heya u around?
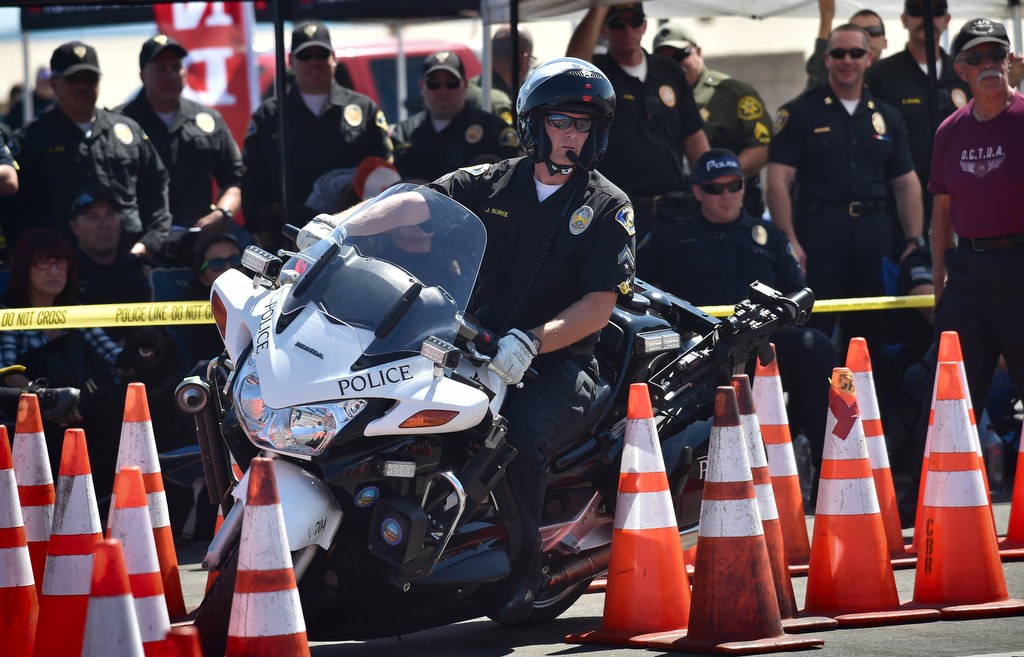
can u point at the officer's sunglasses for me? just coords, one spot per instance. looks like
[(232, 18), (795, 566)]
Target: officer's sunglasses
[(917, 11), (717, 188), (997, 54), (220, 264), (563, 122), (874, 31), (312, 53), (633, 21), (680, 54), (450, 83), (841, 53)]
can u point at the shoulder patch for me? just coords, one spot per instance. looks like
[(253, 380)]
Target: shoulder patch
[(251, 130), (381, 121), (780, 120), (509, 138), (749, 108), (506, 116), (475, 170), (625, 218)]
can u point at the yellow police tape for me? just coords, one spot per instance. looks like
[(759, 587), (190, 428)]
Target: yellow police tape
[(200, 312)]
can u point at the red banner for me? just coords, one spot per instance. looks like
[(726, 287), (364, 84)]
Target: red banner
[(221, 67)]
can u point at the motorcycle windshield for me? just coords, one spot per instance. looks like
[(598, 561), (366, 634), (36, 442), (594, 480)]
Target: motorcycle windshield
[(404, 268)]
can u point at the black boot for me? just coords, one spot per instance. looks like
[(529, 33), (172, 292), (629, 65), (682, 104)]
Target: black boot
[(511, 599)]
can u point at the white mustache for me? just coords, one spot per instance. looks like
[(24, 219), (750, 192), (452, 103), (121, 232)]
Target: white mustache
[(990, 73)]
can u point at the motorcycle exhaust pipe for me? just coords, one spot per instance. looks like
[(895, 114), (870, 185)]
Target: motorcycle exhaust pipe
[(582, 567)]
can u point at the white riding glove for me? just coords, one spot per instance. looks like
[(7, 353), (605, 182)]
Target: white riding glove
[(515, 353), (317, 229)]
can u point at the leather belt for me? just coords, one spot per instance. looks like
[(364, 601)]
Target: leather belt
[(853, 208), (989, 243)]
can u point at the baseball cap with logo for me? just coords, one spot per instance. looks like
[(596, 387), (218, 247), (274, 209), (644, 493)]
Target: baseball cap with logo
[(674, 35), (625, 9), (157, 45), (715, 163), (90, 194), (444, 60), (311, 34), (978, 31), (74, 56)]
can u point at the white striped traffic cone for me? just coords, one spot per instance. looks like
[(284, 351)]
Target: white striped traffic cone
[(132, 527), (35, 482), (19, 606), (266, 616), (111, 627)]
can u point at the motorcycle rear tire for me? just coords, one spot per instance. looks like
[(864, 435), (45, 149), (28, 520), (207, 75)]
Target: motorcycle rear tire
[(550, 604), (214, 614)]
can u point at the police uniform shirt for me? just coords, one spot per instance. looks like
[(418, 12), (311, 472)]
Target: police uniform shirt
[(652, 120), (6, 157), (899, 81), (425, 154), (502, 98), (588, 221), (57, 160), (349, 129), (840, 158), (197, 148), (733, 112), (710, 264)]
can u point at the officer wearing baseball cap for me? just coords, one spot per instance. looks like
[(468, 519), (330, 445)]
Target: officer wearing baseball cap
[(713, 258), (78, 143), (195, 145)]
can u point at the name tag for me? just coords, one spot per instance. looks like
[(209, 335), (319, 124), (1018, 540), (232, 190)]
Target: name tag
[(821, 130)]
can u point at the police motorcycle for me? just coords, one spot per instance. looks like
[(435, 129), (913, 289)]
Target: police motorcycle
[(355, 366)]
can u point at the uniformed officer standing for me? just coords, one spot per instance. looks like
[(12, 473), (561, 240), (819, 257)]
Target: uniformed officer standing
[(448, 134), (8, 167), (734, 115), (193, 141), (77, 143), (502, 91), (560, 250), (867, 19), (713, 258), (329, 127), (844, 148), (658, 121)]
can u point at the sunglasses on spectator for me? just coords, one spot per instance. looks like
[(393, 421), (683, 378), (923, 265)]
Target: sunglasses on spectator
[(220, 264), (83, 77), (875, 31), (717, 188), (45, 264), (841, 53), (633, 21), (680, 54), (450, 83), (975, 58), (917, 11), (312, 53), (563, 122)]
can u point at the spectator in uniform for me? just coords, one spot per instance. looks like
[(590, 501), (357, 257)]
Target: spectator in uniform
[(193, 141), (77, 144), (713, 258), (865, 18), (843, 147), (42, 100), (549, 304), (8, 167), (329, 127), (734, 115), (658, 121), (502, 88), (448, 134)]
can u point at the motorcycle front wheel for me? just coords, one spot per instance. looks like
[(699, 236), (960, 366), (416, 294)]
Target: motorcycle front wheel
[(214, 614)]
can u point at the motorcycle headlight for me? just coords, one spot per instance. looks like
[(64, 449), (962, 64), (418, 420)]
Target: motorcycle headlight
[(303, 431)]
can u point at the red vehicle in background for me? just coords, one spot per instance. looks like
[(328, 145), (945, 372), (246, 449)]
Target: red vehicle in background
[(371, 68)]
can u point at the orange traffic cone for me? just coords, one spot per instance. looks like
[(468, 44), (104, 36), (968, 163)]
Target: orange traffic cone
[(647, 589), (131, 526), (35, 482), (76, 530), (266, 617), (19, 606), (858, 360), (850, 577), (958, 567), (183, 641), (138, 447), (1012, 547), (774, 425), (111, 627), (734, 609)]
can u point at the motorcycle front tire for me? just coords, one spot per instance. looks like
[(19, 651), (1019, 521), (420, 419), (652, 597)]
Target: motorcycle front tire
[(214, 614)]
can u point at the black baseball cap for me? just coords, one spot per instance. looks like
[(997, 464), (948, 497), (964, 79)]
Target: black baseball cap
[(92, 193), (444, 60), (311, 34), (715, 163), (72, 57), (625, 9), (978, 31), (157, 45)]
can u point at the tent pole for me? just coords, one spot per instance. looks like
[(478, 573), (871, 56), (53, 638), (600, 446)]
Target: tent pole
[(1016, 16), (933, 74), (487, 55), (401, 74), (26, 95), (279, 90)]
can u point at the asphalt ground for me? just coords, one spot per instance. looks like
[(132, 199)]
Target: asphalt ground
[(485, 638)]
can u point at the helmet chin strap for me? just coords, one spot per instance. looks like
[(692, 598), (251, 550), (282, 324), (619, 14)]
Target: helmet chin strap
[(562, 169)]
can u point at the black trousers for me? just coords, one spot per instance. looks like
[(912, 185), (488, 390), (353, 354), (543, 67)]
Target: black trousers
[(806, 358), (537, 413)]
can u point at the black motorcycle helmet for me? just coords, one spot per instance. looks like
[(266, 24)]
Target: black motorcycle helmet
[(571, 85)]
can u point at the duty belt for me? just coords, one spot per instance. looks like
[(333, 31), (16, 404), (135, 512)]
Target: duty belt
[(668, 204), (989, 243), (853, 208)]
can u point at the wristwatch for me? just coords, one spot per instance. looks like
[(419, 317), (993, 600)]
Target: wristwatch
[(917, 241), (224, 211), (534, 339)]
